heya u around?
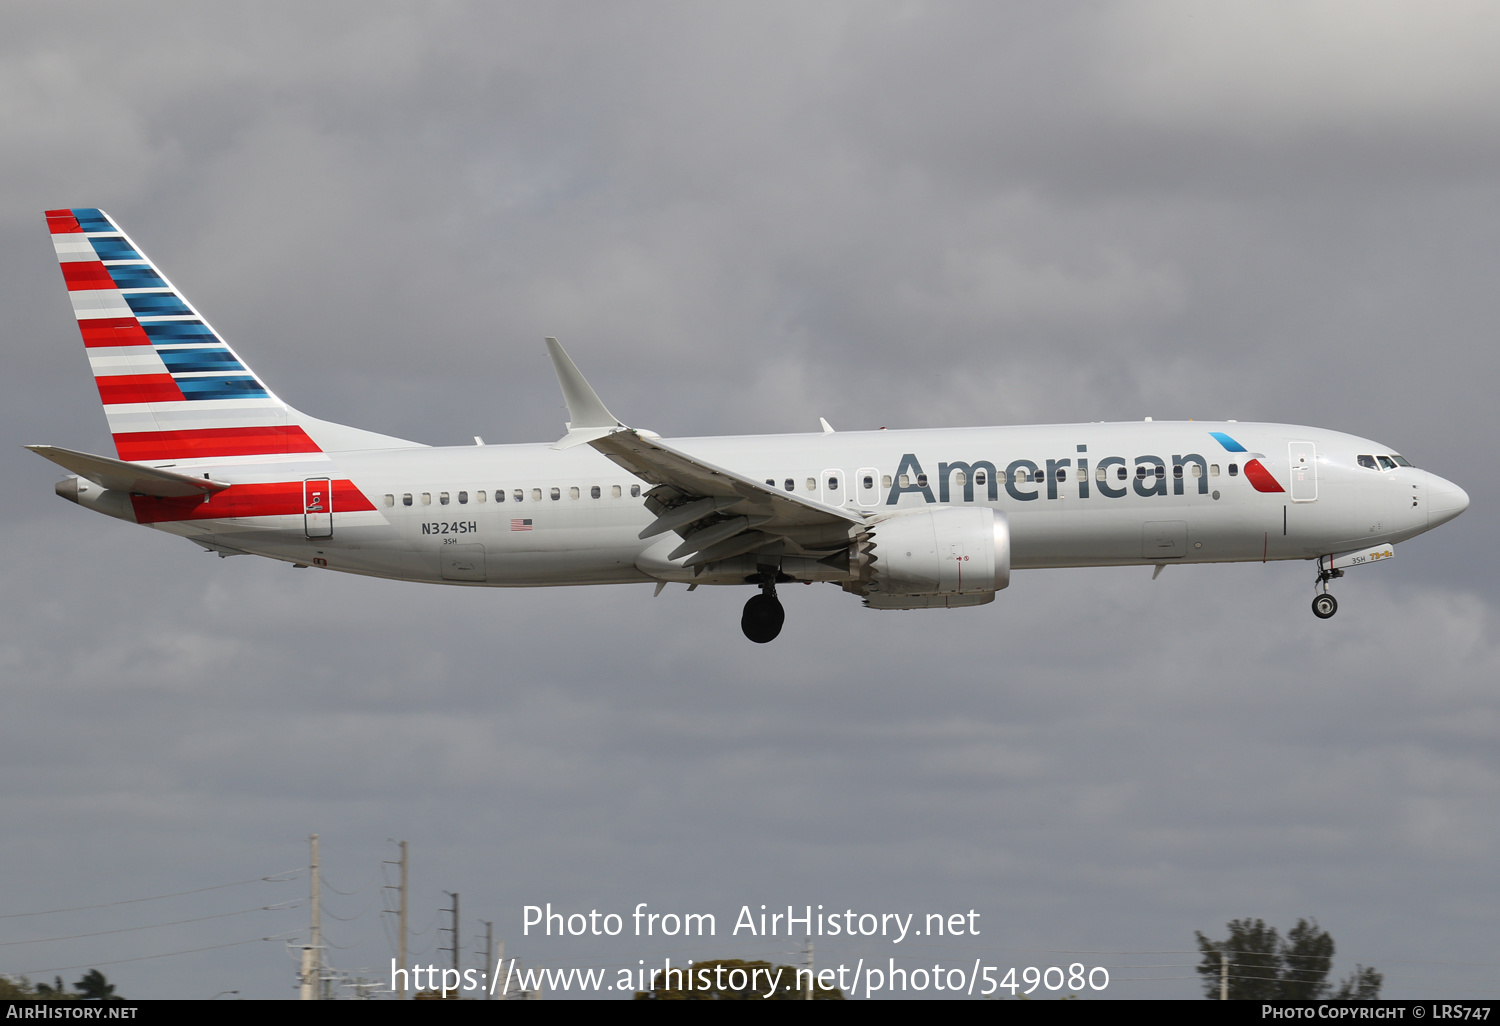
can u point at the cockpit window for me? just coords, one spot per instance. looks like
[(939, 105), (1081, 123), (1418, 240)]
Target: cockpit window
[(1386, 463), (1367, 461), (1400, 460)]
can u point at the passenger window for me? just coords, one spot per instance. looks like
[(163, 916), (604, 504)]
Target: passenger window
[(573, 493), (833, 484), (1122, 473), (1367, 461), (479, 496), (518, 495), (1099, 474), (390, 500), (1140, 472), (594, 492), (536, 495), (406, 499), (1197, 470), (614, 491), (427, 498), (1037, 477), (812, 484), (1062, 475), (869, 482), (979, 477), (463, 497), (960, 478), (921, 480), (905, 480), (1234, 470), (556, 494), (1177, 470), (770, 483), (442, 498), (1213, 470), (1022, 476), (635, 491), (499, 494), (1386, 463)]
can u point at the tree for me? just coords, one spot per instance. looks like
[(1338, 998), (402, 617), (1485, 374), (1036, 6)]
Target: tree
[(16, 989), (1361, 985), (1261, 965), (94, 987), (56, 990), (22, 989)]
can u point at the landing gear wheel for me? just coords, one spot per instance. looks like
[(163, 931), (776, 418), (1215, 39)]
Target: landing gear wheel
[(762, 618), (1325, 606)]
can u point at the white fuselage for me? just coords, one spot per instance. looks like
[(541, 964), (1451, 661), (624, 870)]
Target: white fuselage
[(535, 515)]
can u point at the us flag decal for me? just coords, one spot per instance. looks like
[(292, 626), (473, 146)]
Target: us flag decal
[(520, 525)]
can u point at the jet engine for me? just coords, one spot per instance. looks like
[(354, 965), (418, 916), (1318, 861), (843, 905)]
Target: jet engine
[(943, 557)]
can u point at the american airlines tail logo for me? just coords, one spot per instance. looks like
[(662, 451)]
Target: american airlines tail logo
[(1024, 479)]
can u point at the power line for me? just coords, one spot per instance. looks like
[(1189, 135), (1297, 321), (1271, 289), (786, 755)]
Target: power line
[(273, 878), (143, 958), (154, 926)]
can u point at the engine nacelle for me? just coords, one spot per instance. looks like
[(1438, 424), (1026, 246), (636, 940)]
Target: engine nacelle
[(943, 557)]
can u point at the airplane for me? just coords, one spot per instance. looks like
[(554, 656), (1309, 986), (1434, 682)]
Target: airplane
[(904, 519)]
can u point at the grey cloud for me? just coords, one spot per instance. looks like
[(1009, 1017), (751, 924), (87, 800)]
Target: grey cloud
[(739, 219)]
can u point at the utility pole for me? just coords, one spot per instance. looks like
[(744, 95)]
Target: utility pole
[(809, 969), (489, 952), (401, 919), (454, 929), (312, 960), (1223, 976)]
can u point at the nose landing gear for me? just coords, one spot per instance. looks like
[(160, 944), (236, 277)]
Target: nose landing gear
[(1325, 605), (763, 615)]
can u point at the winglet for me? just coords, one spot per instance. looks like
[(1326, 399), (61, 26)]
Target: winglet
[(587, 417)]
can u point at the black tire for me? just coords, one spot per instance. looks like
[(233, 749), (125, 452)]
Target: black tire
[(762, 618), (1325, 606)]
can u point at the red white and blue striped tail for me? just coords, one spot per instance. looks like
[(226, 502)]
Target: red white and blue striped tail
[(171, 386)]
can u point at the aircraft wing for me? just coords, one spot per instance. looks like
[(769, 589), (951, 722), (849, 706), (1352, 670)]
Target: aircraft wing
[(720, 513), (127, 477)]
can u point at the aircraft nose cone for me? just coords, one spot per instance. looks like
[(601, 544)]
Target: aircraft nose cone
[(1445, 500)]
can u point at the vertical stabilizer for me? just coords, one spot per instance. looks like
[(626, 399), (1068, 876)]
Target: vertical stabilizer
[(172, 388)]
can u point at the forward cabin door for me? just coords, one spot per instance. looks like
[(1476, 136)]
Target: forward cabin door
[(1304, 463), (317, 507)]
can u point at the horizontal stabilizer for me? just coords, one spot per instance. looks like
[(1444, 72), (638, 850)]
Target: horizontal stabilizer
[(128, 477)]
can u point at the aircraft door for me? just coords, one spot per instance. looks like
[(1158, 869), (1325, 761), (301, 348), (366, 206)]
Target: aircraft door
[(317, 507), (1303, 459), (867, 485), (833, 487)]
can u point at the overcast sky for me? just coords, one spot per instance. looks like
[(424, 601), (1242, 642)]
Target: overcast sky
[(740, 218)]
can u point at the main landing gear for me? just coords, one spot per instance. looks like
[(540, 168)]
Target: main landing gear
[(1325, 605), (763, 616)]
